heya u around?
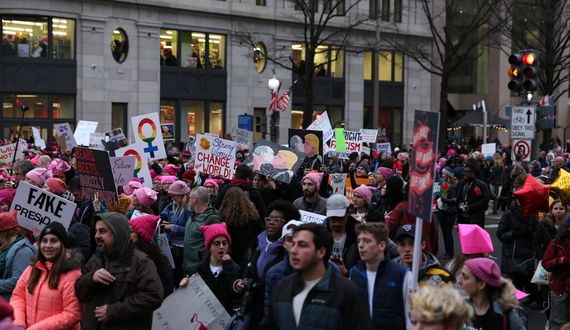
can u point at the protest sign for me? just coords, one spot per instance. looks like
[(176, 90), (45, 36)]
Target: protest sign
[(242, 137), (369, 135), (386, 147), (425, 135), (309, 217), (116, 135), (322, 123), (65, 131), (141, 166), (95, 175), (339, 140), (146, 129), (7, 155), (212, 134), (82, 131), (215, 156), (96, 141), (38, 208), (353, 141), (205, 311), (190, 142), (309, 142), (338, 181), (348, 187), (488, 149), (364, 151), (167, 132), (123, 169), (38, 141), (277, 161), (165, 248)]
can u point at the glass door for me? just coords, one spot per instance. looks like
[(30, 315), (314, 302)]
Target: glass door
[(10, 132)]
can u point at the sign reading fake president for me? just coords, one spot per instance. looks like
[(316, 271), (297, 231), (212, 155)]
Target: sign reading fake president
[(215, 155), (38, 208)]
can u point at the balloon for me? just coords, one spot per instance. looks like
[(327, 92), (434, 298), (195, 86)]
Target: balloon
[(561, 186), (533, 197)]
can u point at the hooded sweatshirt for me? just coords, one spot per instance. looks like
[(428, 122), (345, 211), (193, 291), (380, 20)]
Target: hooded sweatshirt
[(268, 251), (122, 231)]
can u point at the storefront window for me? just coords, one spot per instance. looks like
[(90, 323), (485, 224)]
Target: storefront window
[(63, 37), (168, 47), (259, 59), (167, 112), (13, 102), (193, 116), (63, 106), (217, 51), (25, 37), (216, 110), (328, 61), (398, 67), (193, 49)]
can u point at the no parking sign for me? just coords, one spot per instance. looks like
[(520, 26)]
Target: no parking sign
[(522, 146)]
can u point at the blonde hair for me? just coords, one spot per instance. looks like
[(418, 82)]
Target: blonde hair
[(498, 160), (443, 304), (314, 141), (290, 158)]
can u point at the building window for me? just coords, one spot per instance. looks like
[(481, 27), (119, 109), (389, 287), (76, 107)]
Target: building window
[(372, 8), (119, 45), (260, 2), (119, 117), (389, 125), (386, 10), (216, 110), (390, 66), (168, 47), (25, 37), (63, 106), (63, 34), (310, 5), (335, 7), (259, 114), (198, 50), (193, 49), (39, 106), (398, 11), (259, 59), (217, 51), (328, 61)]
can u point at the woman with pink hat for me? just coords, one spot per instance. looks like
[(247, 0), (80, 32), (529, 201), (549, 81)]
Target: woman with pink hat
[(4, 179), (37, 177), (218, 269), (141, 201), (7, 196), (362, 197), (213, 186), (164, 198)]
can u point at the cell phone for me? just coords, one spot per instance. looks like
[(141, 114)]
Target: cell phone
[(336, 261)]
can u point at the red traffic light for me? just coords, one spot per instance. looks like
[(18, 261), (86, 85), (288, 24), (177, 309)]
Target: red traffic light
[(529, 59)]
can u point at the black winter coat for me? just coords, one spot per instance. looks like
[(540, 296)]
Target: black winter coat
[(477, 203), (451, 194), (545, 233)]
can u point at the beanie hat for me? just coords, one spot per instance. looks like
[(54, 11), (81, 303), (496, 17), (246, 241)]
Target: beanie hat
[(170, 178), (146, 196), (38, 175), (145, 226), (141, 181), (315, 177), (56, 186), (535, 164), (35, 159), (123, 207), (451, 152), (365, 166), (8, 195), (366, 192), (286, 230), (170, 169), (489, 157), (448, 171), (486, 270), (178, 188), (157, 178), (58, 166), (57, 229), (403, 156), (394, 183), (153, 174), (8, 220), (386, 172), (521, 179), (4, 176), (214, 182), (131, 186), (212, 232), (442, 161), (190, 174)]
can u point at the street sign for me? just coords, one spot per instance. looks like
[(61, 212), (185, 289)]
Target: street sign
[(522, 146), (522, 122)]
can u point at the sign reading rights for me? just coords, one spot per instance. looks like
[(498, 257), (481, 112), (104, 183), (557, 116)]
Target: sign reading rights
[(353, 142), (215, 155), (95, 175)]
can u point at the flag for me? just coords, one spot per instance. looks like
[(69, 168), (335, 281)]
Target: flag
[(284, 99), (273, 103), (547, 100)]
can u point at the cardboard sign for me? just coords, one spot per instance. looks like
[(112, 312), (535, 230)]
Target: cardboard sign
[(190, 143), (7, 155), (348, 187), (339, 140), (146, 129), (141, 166), (38, 141), (277, 161), (488, 149), (386, 147), (423, 158), (353, 143), (369, 135), (96, 141), (96, 175), (364, 151), (205, 312), (322, 123), (165, 248), (116, 135), (338, 182), (82, 131), (309, 142), (38, 208), (123, 169), (215, 156), (242, 137), (167, 132), (309, 217), (65, 131)]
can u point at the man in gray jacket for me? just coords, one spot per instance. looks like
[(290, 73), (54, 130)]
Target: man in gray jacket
[(311, 201)]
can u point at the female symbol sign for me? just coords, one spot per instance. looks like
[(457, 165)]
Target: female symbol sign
[(146, 128), (151, 149)]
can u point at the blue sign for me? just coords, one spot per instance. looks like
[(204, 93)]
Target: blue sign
[(167, 132), (245, 122)]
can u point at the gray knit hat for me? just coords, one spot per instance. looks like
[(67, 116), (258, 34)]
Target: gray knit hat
[(448, 171)]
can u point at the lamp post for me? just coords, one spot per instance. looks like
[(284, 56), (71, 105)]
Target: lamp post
[(24, 108), (273, 84)]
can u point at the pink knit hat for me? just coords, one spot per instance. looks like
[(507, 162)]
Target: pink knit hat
[(39, 175), (178, 188), (58, 166), (35, 159), (170, 178), (315, 177), (214, 182), (386, 172), (451, 152), (442, 161), (212, 232), (366, 192), (131, 187), (486, 270), (145, 226), (153, 174), (146, 196), (403, 156), (170, 169), (8, 195), (4, 176)]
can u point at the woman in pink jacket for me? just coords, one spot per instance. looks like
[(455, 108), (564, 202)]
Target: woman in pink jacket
[(44, 297)]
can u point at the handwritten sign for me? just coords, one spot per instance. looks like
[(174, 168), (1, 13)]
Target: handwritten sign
[(165, 248), (488, 149), (348, 187), (38, 208), (82, 131), (123, 169), (386, 147), (38, 141), (215, 155), (205, 311), (65, 131), (369, 135), (95, 175), (322, 123), (338, 182), (147, 130), (190, 143), (7, 154), (309, 217), (353, 142), (96, 141), (242, 137), (339, 140), (141, 167)]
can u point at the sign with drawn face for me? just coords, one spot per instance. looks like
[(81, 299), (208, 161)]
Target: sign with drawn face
[(141, 166), (309, 142), (147, 129), (268, 158)]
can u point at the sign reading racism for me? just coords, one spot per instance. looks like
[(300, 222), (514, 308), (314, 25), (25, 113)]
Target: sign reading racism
[(65, 131), (123, 169), (141, 167), (353, 143), (277, 161), (147, 130), (309, 142), (242, 137), (215, 156), (322, 123), (7, 154), (38, 208), (95, 175)]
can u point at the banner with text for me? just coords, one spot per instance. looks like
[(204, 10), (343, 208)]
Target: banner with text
[(95, 175), (488, 149), (7, 155), (386, 147), (310, 217), (147, 130), (123, 169), (65, 131), (369, 135), (215, 156), (322, 123), (82, 131), (242, 137), (141, 166), (353, 142), (167, 132)]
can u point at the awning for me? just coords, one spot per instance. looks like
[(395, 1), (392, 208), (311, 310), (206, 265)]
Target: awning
[(475, 119)]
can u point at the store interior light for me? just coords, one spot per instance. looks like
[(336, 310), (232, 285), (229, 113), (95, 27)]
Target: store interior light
[(9, 32), (55, 20), (23, 22), (166, 37), (202, 40), (62, 26), (39, 24), (296, 46), (63, 21), (198, 35), (168, 47), (60, 33), (215, 37), (14, 28), (29, 30), (168, 32), (116, 32)]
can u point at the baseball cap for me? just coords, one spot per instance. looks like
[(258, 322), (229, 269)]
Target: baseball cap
[(407, 229), (286, 230), (337, 205)]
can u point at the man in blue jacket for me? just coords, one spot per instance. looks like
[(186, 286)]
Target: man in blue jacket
[(384, 282)]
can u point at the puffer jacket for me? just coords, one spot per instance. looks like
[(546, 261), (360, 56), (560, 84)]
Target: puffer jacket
[(49, 308), (17, 260), (559, 275), (194, 242), (178, 221)]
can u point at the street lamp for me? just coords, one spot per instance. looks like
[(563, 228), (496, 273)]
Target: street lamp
[(342, 123), (273, 84), (24, 108)]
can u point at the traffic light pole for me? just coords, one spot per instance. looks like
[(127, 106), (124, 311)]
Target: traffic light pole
[(536, 141)]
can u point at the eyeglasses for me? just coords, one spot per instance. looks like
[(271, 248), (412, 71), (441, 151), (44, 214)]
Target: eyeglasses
[(218, 243), (467, 171), (336, 220), (156, 183), (210, 187), (274, 220)]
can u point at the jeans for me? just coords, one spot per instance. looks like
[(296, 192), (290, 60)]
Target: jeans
[(559, 310), (447, 221)]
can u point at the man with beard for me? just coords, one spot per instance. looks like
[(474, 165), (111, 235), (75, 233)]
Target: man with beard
[(339, 222), (311, 201)]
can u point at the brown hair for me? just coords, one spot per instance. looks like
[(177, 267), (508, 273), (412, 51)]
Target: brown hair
[(460, 259), (4, 235), (236, 209), (377, 229), (547, 217), (56, 269)]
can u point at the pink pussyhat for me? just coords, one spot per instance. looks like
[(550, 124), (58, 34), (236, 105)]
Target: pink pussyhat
[(474, 239), (521, 295)]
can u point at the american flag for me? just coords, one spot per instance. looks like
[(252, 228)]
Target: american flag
[(547, 100), (273, 104), (284, 100)]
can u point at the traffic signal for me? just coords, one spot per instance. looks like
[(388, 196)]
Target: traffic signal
[(530, 72), (516, 72)]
